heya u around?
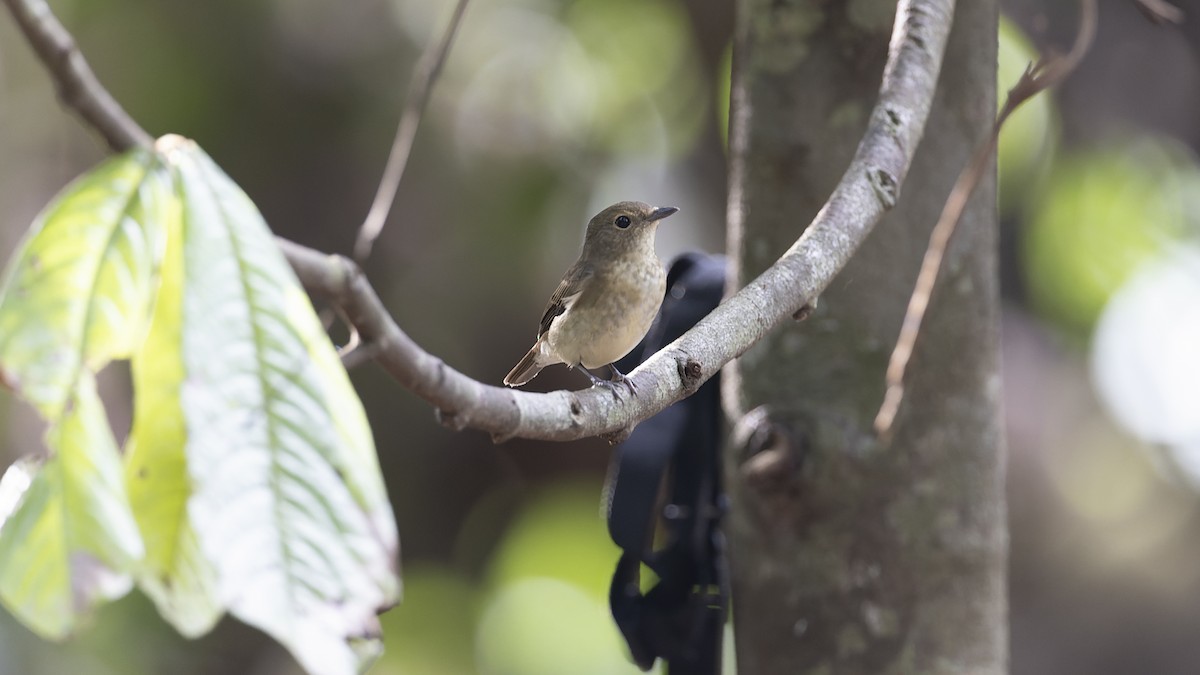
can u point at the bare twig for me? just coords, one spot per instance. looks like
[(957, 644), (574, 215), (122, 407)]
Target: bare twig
[(77, 85), (1160, 11), (866, 191), (419, 89), (1045, 73)]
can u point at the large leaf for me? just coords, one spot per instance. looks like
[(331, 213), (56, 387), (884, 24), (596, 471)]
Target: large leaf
[(287, 500), (77, 294), (67, 538), (175, 574), (79, 290)]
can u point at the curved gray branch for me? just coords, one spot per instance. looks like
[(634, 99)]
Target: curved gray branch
[(77, 85), (869, 188)]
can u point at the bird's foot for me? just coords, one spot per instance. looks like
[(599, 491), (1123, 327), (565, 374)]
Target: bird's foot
[(612, 384), (617, 378), (596, 382)]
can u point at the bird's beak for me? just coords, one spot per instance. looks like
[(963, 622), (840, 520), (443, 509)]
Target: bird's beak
[(661, 212)]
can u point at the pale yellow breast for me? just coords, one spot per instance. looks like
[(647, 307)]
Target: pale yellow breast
[(608, 326)]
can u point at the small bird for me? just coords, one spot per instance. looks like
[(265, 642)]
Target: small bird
[(606, 301)]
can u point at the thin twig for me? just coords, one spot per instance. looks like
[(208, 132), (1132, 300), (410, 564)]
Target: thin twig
[(77, 85), (865, 192), (1160, 11), (419, 89), (1045, 73)]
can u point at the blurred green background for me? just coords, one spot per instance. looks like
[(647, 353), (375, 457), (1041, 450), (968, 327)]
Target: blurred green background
[(550, 109)]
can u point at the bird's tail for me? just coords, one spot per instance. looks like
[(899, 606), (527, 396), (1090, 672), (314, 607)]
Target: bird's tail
[(527, 368)]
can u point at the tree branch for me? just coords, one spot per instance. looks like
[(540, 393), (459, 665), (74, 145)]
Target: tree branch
[(869, 188), (419, 90), (1047, 72), (1160, 11), (78, 88)]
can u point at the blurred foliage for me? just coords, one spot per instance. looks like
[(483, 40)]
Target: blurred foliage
[(724, 90), (1102, 213), (542, 626), (587, 78), (433, 631), (561, 534), (541, 607), (547, 608), (1145, 359), (1027, 142), (636, 105)]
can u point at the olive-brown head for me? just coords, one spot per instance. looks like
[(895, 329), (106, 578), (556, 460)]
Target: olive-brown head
[(622, 228)]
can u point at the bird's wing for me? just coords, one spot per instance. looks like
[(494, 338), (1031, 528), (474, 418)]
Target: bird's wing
[(567, 292)]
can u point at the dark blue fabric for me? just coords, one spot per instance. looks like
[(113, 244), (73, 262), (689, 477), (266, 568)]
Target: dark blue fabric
[(673, 459)]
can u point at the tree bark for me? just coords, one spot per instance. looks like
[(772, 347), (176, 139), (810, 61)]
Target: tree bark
[(851, 555)]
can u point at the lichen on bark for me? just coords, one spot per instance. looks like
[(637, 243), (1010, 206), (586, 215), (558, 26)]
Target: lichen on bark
[(849, 555)]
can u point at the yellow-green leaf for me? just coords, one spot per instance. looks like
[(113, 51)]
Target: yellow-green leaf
[(68, 539), (78, 291), (77, 294), (174, 574)]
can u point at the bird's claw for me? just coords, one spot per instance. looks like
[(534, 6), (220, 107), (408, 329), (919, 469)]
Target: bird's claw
[(613, 384), (619, 378), (606, 384)]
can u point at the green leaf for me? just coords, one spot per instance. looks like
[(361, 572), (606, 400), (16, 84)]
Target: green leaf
[(287, 500), (67, 537), (79, 290), (250, 460), (174, 574), (77, 294)]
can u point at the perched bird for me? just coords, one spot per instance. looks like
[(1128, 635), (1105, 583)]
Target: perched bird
[(606, 301)]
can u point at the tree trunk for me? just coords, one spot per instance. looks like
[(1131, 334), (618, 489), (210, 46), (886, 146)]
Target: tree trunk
[(851, 555)]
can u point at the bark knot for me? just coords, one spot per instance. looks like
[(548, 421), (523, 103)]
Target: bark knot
[(449, 419), (770, 458), (619, 436), (690, 371), (885, 186), (806, 310)]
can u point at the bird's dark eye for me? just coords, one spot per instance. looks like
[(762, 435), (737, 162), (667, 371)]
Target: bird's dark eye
[(622, 222)]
